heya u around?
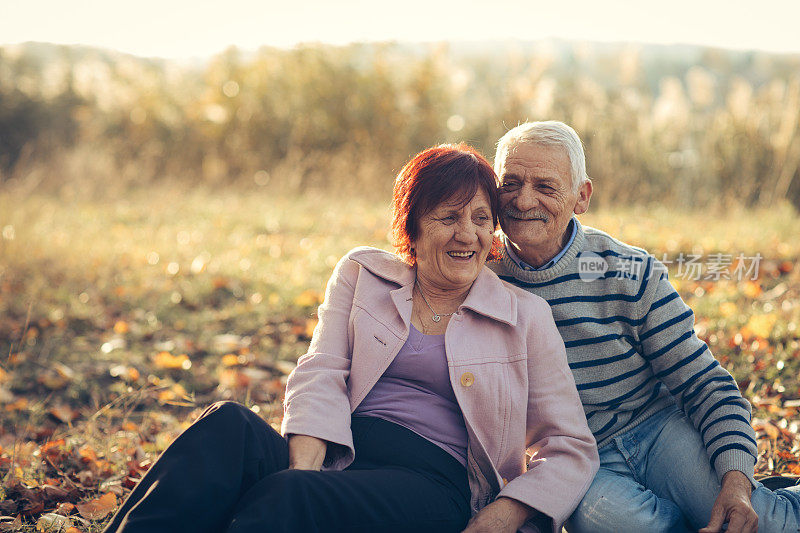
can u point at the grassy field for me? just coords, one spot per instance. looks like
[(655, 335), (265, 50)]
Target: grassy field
[(120, 319)]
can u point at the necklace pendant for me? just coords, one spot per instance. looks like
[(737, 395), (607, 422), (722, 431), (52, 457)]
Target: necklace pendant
[(436, 318)]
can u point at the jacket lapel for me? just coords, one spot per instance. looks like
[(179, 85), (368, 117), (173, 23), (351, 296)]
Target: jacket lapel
[(488, 295)]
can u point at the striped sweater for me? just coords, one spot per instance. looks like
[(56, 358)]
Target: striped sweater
[(632, 348)]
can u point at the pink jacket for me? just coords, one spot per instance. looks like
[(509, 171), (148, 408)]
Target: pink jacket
[(508, 370)]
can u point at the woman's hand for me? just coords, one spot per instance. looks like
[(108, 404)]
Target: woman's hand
[(503, 515), (306, 453)]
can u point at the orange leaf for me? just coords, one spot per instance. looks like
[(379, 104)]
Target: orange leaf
[(132, 374), (175, 395), (231, 377), (230, 360), (65, 508), (771, 430), (52, 448), (169, 361), (752, 289), (18, 405), (121, 327), (98, 508)]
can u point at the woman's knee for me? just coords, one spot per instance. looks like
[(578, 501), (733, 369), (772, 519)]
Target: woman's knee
[(226, 408), (234, 419), (229, 414)]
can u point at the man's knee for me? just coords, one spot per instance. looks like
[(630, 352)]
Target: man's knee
[(602, 514)]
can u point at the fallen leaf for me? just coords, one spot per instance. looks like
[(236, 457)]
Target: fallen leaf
[(99, 507), (87, 454), (53, 523), (65, 508), (14, 525), (55, 494), (18, 405), (230, 360), (232, 378), (168, 361), (770, 429)]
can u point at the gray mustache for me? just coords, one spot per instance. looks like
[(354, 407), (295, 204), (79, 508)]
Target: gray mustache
[(533, 214)]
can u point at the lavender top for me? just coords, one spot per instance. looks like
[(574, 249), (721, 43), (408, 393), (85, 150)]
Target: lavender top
[(415, 392)]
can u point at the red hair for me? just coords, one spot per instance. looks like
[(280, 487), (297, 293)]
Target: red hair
[(438, 174)]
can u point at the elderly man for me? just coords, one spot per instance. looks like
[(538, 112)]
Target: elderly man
[(676, 447)]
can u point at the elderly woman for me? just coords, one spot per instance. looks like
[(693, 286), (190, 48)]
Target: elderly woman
[(426, 381)]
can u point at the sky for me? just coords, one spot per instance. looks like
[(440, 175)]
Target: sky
[(200, 28)]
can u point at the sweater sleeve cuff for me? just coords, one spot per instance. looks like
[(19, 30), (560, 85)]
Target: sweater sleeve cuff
[(735, 460)]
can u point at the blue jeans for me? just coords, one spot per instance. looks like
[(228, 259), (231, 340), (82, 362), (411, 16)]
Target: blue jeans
[(657, 477)]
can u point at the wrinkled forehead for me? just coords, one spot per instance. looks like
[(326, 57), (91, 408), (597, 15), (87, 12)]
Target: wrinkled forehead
[(461, 198), (514, 148), (530, 154)]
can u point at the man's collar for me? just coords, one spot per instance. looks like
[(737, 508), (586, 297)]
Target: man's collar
[(488, 295)]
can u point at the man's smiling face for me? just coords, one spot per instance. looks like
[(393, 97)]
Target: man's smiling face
[(537, 200)]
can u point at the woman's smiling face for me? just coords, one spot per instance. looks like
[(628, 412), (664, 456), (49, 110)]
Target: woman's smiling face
[(454, 241)]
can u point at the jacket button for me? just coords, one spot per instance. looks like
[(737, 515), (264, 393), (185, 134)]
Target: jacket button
[(467, 379)]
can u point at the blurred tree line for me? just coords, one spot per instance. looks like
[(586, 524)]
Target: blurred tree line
[(683, 125)]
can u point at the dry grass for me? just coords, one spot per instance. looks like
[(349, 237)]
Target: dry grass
[(121, 317)]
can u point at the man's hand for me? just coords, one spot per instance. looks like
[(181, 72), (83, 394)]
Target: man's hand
[(733, 506), (503, 515), (306, 453)]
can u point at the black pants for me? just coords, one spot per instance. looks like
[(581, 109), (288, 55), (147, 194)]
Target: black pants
[(228, 472)]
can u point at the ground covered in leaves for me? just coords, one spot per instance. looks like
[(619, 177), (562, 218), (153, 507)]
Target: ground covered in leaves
[(120, 320)]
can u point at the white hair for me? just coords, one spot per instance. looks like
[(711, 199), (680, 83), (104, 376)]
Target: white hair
[(548, 133)]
